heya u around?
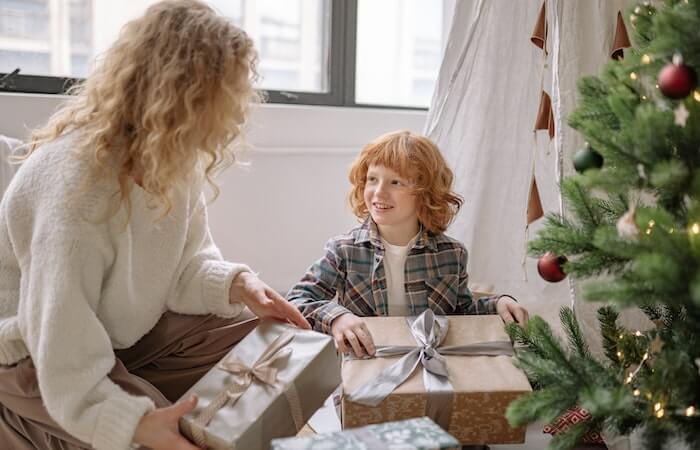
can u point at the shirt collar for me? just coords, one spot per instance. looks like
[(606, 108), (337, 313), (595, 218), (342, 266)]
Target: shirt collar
[(369, 232)]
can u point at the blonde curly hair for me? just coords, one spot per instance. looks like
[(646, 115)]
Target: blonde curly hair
[(419, 160), (165, 101)]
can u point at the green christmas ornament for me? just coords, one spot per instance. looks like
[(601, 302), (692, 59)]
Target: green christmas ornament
[(587, 158)]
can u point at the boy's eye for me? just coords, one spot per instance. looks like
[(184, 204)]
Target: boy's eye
[(371, 179), (397, 182)]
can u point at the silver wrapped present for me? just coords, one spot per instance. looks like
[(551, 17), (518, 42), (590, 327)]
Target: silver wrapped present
[(266, 387)]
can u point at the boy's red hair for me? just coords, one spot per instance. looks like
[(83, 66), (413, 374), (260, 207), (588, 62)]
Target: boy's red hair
[(416, 158)]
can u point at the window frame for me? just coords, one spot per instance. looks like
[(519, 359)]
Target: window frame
[(341, 71)]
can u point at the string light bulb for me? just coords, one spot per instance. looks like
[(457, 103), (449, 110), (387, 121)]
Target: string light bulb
[(633, 75), (637, 333), (695, 228), (619, 354), (636, 392), (690, 411), (657, 406), (660, 413), (696, 96), (646, 59)]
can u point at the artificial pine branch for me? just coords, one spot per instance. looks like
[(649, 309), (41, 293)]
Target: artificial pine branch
[(576, 341)]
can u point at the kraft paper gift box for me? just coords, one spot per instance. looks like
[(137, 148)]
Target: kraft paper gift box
[(469, 402), (412, 434), (267, 386)]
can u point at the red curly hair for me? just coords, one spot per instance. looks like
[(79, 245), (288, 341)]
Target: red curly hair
[(416, 158)]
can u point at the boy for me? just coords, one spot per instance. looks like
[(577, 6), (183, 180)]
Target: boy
[(398, 262)]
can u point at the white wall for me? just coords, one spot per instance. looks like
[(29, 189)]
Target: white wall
[(276, 214)]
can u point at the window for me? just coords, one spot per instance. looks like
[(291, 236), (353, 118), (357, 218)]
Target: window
[(399, 49), (307, 48)]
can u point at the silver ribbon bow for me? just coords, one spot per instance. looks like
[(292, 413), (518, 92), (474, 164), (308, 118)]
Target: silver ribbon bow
[(429, 331), (262, 372)]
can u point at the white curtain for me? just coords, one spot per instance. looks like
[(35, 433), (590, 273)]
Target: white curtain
[(482, 117)]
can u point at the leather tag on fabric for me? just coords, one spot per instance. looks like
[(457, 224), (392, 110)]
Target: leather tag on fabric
[(534, 204), (539, 34), (621, 39), (545, 116)]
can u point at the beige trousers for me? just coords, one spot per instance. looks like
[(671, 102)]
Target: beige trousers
[(164, 364)]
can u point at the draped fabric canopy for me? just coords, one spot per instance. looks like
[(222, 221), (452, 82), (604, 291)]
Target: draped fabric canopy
[(506, 86)]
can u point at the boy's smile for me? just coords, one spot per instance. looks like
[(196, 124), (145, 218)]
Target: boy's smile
[(392, 204)]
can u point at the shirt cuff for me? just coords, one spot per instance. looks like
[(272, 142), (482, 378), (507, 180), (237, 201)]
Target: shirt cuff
[(217, 285), (327, 315), (119, 417)]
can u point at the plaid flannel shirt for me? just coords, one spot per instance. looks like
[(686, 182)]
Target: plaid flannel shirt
[(350, 278)]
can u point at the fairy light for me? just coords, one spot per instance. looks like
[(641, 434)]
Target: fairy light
[(690, 411), (622, 335), (629, 379), (633, 75), (660, 413), (650, 226), (695, 228), (696, 96), (619, 354), (637, 333), (670, 230), (646, 59), (645, 357), (648, 395), (644, 97), (657, 406), (636, 392)]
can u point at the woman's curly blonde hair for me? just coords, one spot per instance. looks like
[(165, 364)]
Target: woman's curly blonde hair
[(416, 158), (165, 101)]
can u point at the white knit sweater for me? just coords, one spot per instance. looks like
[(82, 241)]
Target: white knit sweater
[(74, 286)]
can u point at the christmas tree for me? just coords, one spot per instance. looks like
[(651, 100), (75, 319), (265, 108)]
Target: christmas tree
[(632, 236)]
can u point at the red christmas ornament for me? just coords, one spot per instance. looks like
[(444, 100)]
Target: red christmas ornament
[(549, 266), (676, 80)]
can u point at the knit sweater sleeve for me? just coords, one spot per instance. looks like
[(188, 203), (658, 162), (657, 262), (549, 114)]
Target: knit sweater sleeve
[(63, 266), (205, 278)]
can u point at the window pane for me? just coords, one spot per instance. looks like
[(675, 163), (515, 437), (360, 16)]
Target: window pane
[(399, 50), (62, 37)]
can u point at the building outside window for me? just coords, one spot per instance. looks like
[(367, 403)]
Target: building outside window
[(398, 42)]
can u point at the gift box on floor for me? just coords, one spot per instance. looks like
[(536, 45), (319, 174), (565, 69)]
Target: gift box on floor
[(412, 434), (438, 366), (266, 387)]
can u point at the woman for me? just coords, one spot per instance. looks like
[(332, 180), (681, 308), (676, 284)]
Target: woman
[(114, 299)]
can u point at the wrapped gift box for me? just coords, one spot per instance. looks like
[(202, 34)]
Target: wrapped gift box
[(482, 386), (266, 387), (413, 434)]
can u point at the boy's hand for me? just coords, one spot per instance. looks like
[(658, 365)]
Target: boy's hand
[(510, 311), (263, 301), (349, 328)]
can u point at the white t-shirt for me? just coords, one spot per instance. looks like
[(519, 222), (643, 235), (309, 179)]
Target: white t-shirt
[(394, 268)]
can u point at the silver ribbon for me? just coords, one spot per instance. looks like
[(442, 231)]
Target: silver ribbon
[(429, 331)]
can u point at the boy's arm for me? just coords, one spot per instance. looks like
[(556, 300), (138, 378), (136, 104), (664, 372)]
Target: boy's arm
[(314, 294), (466, 304)]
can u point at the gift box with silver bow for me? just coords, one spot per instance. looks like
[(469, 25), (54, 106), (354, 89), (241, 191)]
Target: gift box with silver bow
[(266, 387), (455, 369), (412, 434)]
